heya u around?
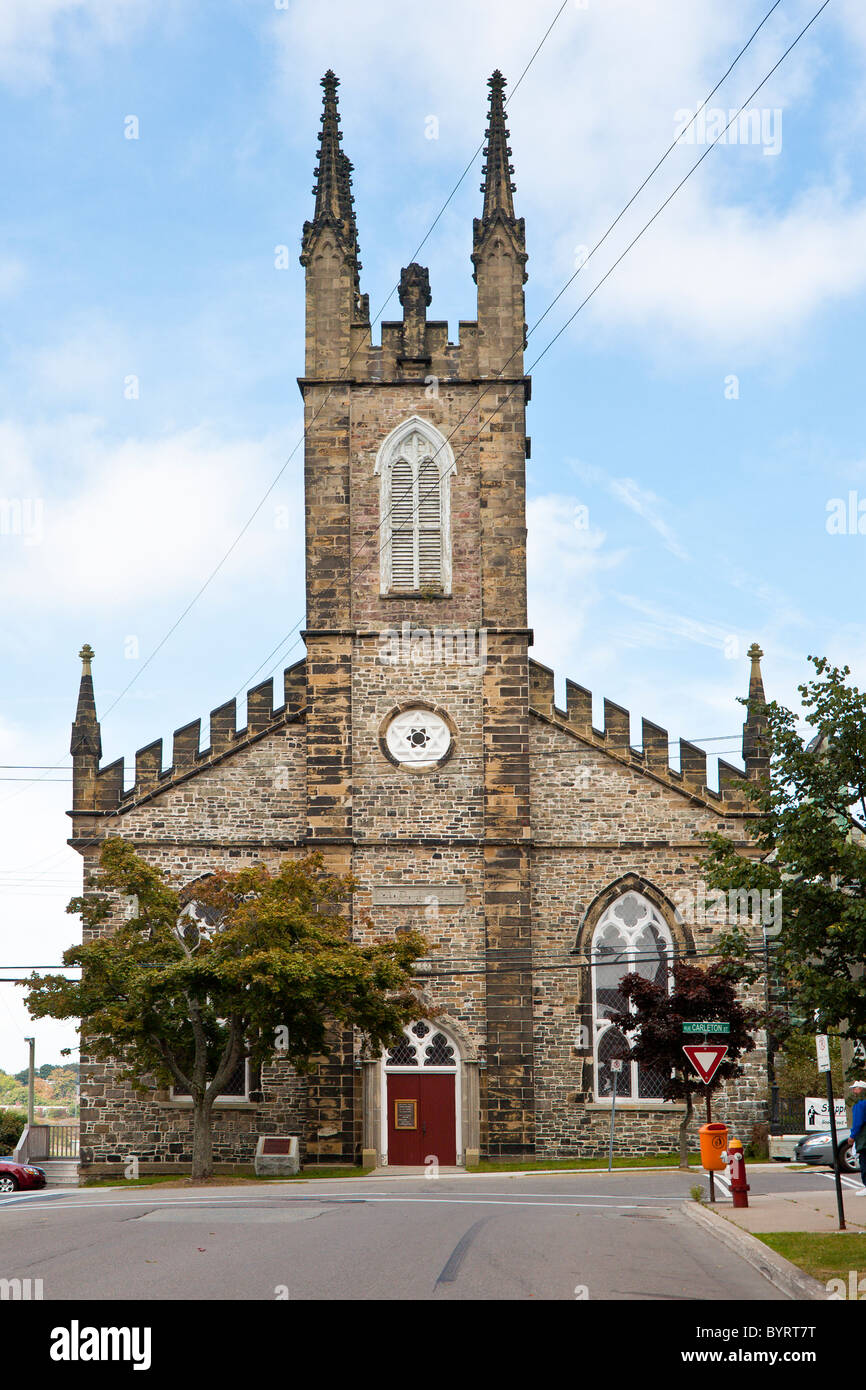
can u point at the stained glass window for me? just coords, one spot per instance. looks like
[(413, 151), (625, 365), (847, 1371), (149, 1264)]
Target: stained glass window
[(631, 937)]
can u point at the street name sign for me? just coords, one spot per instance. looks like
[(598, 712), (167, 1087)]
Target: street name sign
[(710, 1025), (706, 1058)]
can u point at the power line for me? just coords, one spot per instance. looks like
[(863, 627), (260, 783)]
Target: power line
[(533, 953), (495, 381), (215, 571), (268, 492), (551, 342), (672, 743), (597, 286)]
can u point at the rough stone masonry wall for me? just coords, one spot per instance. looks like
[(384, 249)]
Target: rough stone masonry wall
[(375, 412), (482, 794), (423, 829), (248, 809), (594, 822)]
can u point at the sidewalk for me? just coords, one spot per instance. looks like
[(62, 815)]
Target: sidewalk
[(812, 1216), (412, 1172), (801, 1211)]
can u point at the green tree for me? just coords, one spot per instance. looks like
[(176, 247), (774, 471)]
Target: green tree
[(253, 966), (797, 1071), (11, 1129), (810, 842), (64, 1085), (12, 1092), (655, 1022)]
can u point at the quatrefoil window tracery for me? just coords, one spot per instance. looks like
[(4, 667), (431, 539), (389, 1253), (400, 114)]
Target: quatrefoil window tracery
[(631, 936), (422, 1047)]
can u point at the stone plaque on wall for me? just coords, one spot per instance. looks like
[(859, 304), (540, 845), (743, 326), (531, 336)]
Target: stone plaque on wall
[(418, 895)]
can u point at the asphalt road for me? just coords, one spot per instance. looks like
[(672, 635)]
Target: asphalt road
[(497, 1236)]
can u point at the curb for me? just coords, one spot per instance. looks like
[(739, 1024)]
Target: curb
[(543, 1173), (780, 1272)]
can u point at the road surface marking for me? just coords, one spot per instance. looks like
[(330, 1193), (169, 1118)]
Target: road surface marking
[(849, 1182), (368, 1201)]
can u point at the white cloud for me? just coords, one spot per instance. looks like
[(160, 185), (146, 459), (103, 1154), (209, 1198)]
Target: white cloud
[(668, 628), (640, 500), (646, 505), (38, 876), (746, 255), (91, 361), (12, 275), (564, 559), (138, 520), (33, 33), (733, 283)]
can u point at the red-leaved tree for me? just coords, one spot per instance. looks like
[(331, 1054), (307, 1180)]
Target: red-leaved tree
[(654, 1022)]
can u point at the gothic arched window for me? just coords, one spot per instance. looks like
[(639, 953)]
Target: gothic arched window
[(631, 937), (415, 465)]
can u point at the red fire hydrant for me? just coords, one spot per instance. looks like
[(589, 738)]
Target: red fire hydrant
[(739, 1186)]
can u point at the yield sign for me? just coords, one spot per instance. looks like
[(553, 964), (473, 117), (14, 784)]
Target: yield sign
[(705, 1058)]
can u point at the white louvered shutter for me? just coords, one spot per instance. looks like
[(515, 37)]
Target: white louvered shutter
[(429, 524), (402, 527)]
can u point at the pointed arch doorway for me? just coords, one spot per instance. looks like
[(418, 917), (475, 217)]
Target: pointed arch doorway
[(421, 1086)]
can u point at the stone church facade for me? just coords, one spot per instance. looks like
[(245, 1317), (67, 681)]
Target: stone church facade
[(419, 747)]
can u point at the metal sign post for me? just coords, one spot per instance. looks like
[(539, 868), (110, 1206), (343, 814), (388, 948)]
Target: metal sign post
[(616, 1068), (710, 1173), (706, 1061), (822, 1047)]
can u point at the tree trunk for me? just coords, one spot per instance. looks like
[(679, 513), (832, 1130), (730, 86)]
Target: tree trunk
[(202, 1140), (684, 1131)]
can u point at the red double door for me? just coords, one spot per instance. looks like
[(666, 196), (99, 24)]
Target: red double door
[(421, 1119)]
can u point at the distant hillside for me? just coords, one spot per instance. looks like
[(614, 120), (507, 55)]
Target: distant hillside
[(56, 1087)]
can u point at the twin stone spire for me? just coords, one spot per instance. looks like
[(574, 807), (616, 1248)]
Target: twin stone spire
[(335, 204), (498, 238)]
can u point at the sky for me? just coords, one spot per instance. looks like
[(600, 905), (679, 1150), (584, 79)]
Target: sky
[(697, 430)]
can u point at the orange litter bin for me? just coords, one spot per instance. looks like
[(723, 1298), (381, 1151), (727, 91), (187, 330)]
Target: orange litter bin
[(714, 1142)]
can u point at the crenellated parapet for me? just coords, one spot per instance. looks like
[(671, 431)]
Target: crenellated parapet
[(416, 348), (100, 790), (651, 757)]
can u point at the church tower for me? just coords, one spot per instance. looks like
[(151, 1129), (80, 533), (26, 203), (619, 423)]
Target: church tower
[(417, 645), (419, 748)]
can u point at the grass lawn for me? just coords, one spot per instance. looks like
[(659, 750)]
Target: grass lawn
[(823, 1256), (227, 1179), (565, 1165)]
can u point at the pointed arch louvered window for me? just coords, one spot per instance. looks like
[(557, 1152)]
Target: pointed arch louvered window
[(429, 525), (402, 527), (416, 465)]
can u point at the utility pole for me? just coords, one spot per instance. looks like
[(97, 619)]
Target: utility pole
[(31, 1080)]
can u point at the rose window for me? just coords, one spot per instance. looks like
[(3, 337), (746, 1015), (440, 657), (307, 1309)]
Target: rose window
[(418, 737)]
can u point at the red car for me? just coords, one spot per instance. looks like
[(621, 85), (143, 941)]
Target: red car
[(19, 1176)]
